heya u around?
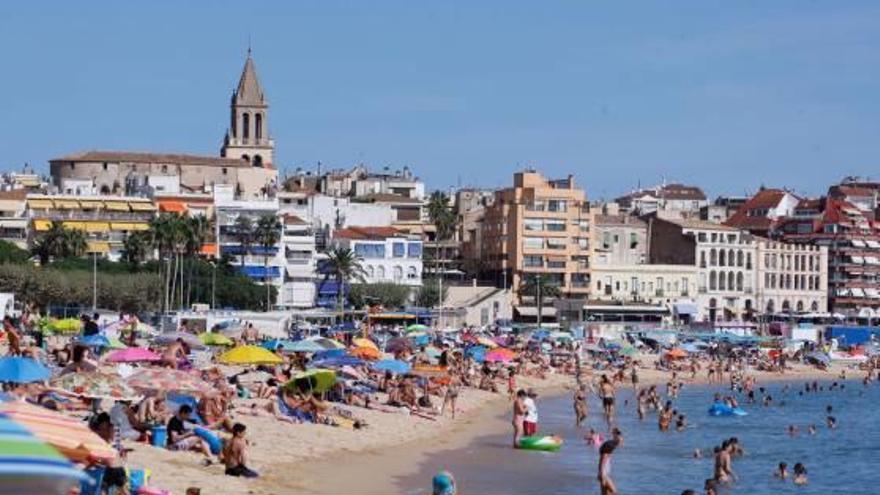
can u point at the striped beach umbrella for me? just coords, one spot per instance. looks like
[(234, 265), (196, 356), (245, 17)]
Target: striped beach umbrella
[(29, 465), (71, 437), (168, 380)]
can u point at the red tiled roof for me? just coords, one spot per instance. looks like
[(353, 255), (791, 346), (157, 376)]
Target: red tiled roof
[(290, 219), (837, 191), (367, 233), (763, 199), (20, 194)]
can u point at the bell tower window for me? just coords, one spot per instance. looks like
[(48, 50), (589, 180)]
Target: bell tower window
[(258, 126), (246, 126)]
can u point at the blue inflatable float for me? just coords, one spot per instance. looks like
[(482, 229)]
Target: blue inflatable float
[(213, 440), (719, 409)]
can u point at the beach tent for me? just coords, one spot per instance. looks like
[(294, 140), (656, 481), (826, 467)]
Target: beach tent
[(30, 465), (249, 354), (22, 370), (314, 380)]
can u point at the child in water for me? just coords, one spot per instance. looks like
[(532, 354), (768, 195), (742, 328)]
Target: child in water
[(594, 438)]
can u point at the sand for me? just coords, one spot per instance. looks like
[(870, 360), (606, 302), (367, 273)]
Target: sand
[(318, 459)]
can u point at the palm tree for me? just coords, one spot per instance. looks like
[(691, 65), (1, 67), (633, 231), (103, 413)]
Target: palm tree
[(539, 286), (444, 221), (344, 265), (243, 231), (136, 247), (267, 234), (167, 234), (196, 233), (73, 243), (59, 242)]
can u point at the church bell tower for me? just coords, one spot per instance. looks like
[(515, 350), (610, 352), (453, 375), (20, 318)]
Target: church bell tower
[(248, 134)]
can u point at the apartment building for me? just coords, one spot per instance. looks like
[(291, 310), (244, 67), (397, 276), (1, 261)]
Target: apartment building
[(300, 255), (105, 220), (13, 220), (387, 254), (791, 278), (676, 200), (538, 227)]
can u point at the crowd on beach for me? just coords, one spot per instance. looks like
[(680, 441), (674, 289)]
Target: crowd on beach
[(204, 399)]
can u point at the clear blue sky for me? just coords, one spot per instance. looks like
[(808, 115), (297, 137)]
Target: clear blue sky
[(727, 95)]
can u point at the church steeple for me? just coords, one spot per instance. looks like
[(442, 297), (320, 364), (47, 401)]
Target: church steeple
[(248, 136)]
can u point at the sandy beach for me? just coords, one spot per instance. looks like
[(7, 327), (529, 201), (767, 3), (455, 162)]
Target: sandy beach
[(308, 458)]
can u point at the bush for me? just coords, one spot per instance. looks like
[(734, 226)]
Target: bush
[(429, 293), (10, 253)]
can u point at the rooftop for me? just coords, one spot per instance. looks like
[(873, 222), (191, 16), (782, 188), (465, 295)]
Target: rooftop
[(368, 233), (146, 157)]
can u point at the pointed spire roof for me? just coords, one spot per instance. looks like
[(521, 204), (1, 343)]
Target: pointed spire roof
[(249, 91)]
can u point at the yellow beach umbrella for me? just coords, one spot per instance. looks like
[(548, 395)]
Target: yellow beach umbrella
[(361, 342), (484, 341), (249, 354), (214, 338)]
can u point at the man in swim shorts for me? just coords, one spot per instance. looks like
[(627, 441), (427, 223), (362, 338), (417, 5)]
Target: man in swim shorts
[(606, 484)]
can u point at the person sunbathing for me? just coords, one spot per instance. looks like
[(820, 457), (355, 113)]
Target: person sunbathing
[(212, 408)]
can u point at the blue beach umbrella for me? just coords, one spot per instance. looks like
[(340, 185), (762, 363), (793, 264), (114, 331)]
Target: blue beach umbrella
[(96, 340), (22, 370), (304, 346), (477, 353), (337, 362), (395, 366), (329, 353)]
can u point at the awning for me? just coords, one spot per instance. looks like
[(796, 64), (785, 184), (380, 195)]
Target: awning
[(873, 244), (90, 204), (208, 249), (141, 206), (39, 204), (116, 205), (685, 308), (67, 204), (129, 226), (858, 259), (533, 311), (75, 225), (172, 206), (100, 247), (42, 225), (97, 226)]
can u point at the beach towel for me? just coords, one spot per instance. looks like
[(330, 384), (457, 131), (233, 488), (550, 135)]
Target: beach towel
[(293, 413)]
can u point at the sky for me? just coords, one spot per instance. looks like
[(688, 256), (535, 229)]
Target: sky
[(726, 95)]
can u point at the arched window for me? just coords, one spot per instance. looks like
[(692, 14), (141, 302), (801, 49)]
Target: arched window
[(411, 273), (713, 257), (771, 307), (814, 307), (380, 273), (722, 254), (713, 280), (258, 161), (398, 273), (731, 258), (731, 281), (748, 261), (800, 307), (258, 126), (739, 258), (722, 281), (370, 271), (246, 125), (786, 306), (702, 259), (739, 281), (246, 158)]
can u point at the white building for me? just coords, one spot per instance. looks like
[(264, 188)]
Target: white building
[(260, 264), (792, 278), (298, 249), (724, 258), (387, 255), (671, 199), (325, 213), (654, 284), (476, 306)]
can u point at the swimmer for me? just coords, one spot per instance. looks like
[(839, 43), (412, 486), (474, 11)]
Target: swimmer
[(606, 484), (781, 471), (831, 422), (800, 474), (681, 424), (710, 487), (792, 430), (812, 429), (594, 438), (698, 454)]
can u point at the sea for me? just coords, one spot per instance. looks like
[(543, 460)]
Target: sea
[(843, 460)]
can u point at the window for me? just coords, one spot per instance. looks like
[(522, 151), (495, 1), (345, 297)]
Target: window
[(606, 240), (555, 243), (380, 273), (685, 289), (740, 259), (555, 225), (414, 250), (368, 250), (225, 171), (713, 280), (246, 124), (555, 263), (633, 240), (722, 281), (556, 205), (370, 271), (398, 273), (702, 259), (533, 243), (398, 249), (533, 262), (412, 273), (533, 224), (730, 281), (258, 126), (105, 165), (713, 257), (739, 281), (701, 237)]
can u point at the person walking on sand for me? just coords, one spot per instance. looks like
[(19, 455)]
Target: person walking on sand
[(606, 484), (519, 414), (451, 396)]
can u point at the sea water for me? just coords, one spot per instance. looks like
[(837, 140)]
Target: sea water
[(839, 461)]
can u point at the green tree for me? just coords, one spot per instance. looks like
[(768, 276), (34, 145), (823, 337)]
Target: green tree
[(267, 234), (59, 242), (136, 247), (344, 266), (540, 287), (244, 234), (428, 295), (444, 220), (387, 294), (10, 253)]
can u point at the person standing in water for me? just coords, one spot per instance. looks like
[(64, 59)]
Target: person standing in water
[(607, 390), (606, 484), (519, 414), (580, 406)]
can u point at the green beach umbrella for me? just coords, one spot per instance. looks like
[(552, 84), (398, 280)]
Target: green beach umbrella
[(315, 380), (417, 327)]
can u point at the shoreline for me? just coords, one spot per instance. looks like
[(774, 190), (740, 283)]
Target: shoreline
[(305, 458)]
